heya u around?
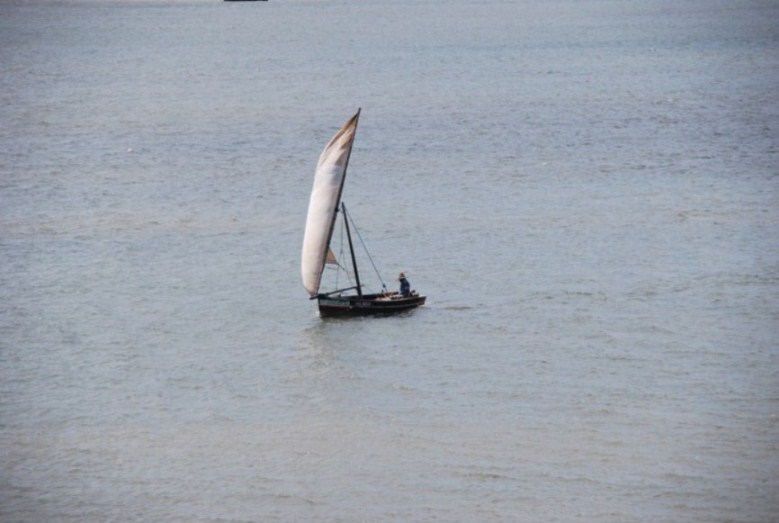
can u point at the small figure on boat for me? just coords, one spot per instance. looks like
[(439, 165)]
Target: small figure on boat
[(405, 286)]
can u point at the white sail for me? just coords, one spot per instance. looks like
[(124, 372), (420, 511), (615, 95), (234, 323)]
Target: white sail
[(323, 206)]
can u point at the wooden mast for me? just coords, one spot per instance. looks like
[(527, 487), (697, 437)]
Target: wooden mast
[(351, 249)]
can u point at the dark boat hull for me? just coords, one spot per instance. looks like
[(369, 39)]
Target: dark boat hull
[(368, 304)]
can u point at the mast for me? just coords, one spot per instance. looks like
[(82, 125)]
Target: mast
[(351, 249)]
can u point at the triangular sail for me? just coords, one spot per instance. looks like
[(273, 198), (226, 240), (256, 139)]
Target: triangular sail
[(323, 205), (330, 257)]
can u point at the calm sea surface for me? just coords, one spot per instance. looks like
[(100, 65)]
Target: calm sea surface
[(588, 193)]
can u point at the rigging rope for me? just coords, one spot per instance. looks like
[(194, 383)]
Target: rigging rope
[(338, 260), (348, 216)]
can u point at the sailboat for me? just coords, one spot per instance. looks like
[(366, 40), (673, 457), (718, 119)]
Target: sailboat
[(324, 209)]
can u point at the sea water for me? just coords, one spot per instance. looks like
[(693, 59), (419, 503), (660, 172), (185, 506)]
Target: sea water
[(587, 193)]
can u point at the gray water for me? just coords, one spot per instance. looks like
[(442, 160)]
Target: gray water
[(586, 191)]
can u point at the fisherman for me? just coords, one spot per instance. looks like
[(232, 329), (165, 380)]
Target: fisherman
[(405, 286)]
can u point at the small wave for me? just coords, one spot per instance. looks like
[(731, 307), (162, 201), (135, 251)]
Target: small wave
[(457, 308)]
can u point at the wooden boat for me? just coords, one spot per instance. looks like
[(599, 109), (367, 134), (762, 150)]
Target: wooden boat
[(325, 207)]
